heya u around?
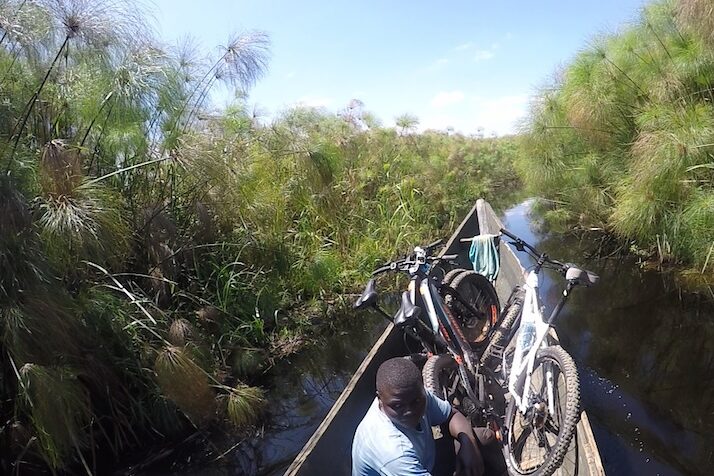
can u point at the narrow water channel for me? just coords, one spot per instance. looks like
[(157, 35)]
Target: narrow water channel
[(644, 349), (645, 352)]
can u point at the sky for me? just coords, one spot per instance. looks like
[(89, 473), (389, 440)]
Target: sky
[(467, 65)]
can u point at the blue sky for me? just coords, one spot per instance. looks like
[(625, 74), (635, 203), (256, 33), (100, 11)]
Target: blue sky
[(464, 64)]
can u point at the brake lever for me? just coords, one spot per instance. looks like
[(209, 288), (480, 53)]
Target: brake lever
[(519, 245)]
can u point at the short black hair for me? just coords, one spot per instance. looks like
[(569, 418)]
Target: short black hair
[(398, 373)]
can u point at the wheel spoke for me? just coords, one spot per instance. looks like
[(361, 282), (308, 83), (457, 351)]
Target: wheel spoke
[(551, 427), (520, 443)]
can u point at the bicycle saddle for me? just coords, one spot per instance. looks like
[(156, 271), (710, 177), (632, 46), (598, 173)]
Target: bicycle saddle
[(368, 297), (407, 311), (581, 276)]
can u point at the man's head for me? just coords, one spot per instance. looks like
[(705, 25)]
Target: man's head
[(401, 391)]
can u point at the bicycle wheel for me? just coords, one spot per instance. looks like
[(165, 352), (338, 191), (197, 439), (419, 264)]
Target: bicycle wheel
[(493, 352), (538, 440), (479, 293), (448, 277), (442, 378)]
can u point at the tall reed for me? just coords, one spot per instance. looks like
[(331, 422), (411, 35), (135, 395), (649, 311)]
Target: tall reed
[(625, 141)]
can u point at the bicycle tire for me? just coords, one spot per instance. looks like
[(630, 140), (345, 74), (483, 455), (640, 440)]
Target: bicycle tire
[(443, 378), (433, 374), (448, 277), (511, 314), (556, 431), (478, 291)]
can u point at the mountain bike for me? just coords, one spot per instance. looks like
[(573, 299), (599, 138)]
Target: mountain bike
[(541, 377), (451, 370)]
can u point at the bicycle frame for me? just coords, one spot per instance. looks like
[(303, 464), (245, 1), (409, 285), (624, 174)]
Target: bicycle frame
[(436, 328), (437, 312), (424, 294), (430, 301), (524, 358)]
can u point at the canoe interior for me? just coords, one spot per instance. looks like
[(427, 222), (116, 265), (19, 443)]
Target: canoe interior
[(328, 450)]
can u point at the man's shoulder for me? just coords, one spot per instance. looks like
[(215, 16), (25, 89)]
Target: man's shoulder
[(375, 423), (377, 438), (437, 410)]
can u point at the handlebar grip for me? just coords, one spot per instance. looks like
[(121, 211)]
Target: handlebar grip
[(433, 245), (509, 234)]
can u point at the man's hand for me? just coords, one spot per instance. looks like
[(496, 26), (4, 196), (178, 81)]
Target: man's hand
[(468, 458)]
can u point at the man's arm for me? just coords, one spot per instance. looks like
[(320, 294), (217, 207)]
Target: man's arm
[(469, 461)]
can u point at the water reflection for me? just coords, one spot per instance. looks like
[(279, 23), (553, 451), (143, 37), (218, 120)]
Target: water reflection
[(645, 351), (306, 387)]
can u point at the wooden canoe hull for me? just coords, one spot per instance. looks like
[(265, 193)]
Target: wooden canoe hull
[(328, 451)]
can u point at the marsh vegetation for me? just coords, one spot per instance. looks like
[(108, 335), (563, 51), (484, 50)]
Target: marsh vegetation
[(622, 138)]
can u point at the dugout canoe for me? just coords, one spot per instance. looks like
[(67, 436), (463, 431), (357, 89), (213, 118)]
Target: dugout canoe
[(328, 450)]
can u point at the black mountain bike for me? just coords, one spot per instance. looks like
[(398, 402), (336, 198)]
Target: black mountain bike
[(452, 370)]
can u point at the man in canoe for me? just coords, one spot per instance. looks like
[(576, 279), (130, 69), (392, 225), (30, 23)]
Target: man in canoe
[(395, 436)]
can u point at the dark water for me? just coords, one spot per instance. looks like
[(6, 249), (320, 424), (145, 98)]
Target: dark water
[(645, 352), (305, 389)]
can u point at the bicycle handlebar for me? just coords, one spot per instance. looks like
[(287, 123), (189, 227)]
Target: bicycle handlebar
[(432, 246), (588, 278), (519, 241), (521, 244), (391, 266), (403, 264)]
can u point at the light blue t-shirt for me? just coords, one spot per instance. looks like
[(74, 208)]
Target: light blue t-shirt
[(382, 448)]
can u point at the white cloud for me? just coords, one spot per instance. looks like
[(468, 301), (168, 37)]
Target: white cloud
[(438, 64), (290, 75), (482, 55), (446, 98), (464, 46), (314, 101), (497, 116)]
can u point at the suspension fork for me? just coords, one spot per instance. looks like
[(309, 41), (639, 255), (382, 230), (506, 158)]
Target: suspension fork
[(549, 382), (541, 342)]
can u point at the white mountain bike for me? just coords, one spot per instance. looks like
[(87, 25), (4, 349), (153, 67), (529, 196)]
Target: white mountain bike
[(541, 377)]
